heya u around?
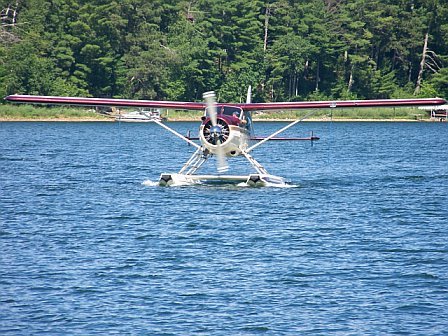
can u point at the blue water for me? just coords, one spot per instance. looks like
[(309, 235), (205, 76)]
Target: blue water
[(359, 247)]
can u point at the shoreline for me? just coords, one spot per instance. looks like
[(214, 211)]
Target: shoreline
[(197, 120), (81, 119), (31, 114)]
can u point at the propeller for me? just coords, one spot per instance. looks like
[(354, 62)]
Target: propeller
[(216, 131)]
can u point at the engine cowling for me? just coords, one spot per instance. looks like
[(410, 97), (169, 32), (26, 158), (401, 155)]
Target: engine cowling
[(218, 133), (230, 138)]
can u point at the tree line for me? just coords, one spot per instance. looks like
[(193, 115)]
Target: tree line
[(174, 49)]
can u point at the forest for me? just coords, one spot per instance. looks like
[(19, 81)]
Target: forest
[(288, 50)]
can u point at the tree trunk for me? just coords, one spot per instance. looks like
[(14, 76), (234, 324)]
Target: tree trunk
[(350, 80), (266, 27), (422, 66)]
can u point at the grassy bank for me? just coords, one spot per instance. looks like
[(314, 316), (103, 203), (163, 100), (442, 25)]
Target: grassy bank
[(29, 112)]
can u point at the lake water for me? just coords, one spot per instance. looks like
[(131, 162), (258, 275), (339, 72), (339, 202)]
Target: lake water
[(358, 247)]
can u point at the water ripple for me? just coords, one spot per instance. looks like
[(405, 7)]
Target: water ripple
[(91, 246)]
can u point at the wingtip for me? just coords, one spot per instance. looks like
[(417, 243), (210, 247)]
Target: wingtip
[(9, 98)]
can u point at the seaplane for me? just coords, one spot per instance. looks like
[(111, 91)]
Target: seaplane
[(226, 131)]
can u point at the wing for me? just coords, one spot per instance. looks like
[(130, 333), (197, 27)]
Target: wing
[(247, 106), (342, 104), (80, 101)]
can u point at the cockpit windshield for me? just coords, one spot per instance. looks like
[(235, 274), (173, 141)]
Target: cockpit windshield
[(228, 110), (232, 111), (244, 117)]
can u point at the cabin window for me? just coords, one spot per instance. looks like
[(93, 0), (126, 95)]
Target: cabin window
[(228, 110), (231, 111)]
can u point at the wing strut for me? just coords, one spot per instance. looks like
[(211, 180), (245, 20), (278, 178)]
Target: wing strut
[(176, 133)]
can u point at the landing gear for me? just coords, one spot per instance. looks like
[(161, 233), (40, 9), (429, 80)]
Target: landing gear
[(187, 176)]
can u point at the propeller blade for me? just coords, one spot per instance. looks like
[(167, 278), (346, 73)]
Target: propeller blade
[(210, 101), (221, 162)]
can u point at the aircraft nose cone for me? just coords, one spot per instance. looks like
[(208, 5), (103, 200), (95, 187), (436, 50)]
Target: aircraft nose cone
[(215, 131)]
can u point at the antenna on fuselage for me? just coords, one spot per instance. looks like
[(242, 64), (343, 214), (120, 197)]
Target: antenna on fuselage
[(248, 113)]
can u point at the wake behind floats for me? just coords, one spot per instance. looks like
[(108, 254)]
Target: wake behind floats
[(225, 131)]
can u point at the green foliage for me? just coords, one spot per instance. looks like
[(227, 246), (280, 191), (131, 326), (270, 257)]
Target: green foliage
[(176, 49), (236, 83), (439, 83)]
